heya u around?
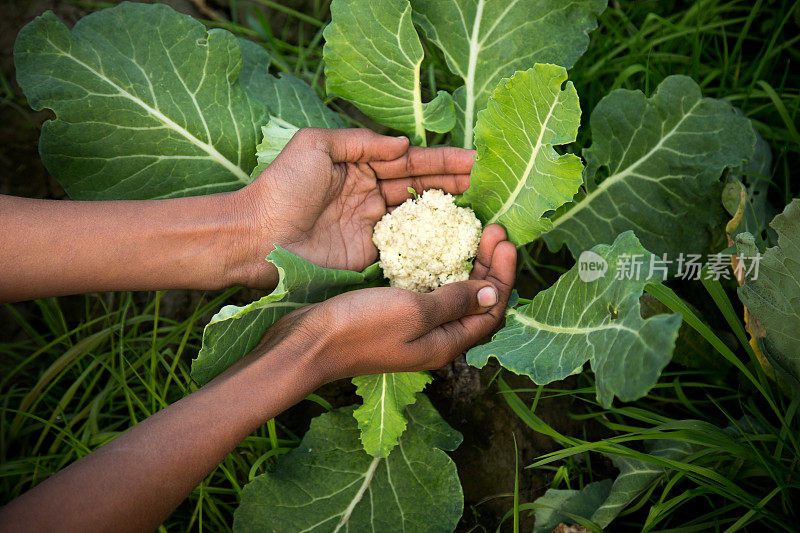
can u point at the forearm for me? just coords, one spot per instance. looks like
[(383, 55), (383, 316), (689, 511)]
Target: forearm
[(134, 482), (52, 248)]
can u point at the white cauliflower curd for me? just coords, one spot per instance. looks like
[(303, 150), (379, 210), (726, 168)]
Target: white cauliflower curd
[(427, 241)]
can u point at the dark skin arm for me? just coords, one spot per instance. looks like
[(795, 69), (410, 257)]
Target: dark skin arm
[(136, 480), (319, 199)]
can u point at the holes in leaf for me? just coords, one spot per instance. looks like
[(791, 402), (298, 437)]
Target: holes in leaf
[(202, 42)]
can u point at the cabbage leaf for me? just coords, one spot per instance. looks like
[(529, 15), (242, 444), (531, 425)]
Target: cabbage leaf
[(602, 501), (235, 330), (380, 418), (486, 40), (773, 294), (372, 58), (597, 320), (150, 104), (329, 483), (518, 176), (663, 156)]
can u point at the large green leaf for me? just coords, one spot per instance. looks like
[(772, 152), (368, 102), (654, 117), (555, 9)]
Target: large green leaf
[(597, 320), (486, 40), (663, 157), (234, 330), (329, 483), (292, 104), (381, 417), (773, 293), (148, 103), (518, 176), (372, 58), (287, 97)]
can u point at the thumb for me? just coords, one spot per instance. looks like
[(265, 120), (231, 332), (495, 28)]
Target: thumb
[(361, 145), (455, 300)]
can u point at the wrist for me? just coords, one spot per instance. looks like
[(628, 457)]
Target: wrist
[(280, 372), (252, 239), (311, 344), (292, 346)]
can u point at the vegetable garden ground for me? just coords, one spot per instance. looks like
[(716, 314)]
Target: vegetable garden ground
[(75, 371)]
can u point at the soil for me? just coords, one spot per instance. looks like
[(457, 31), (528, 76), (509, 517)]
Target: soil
[(465, 396)]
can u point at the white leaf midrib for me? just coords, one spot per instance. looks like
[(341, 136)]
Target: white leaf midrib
[(212, 152), (619, 176), (368, 475), (382, 403), (469, 81), (527, 320), (511, 200), (419, 117)]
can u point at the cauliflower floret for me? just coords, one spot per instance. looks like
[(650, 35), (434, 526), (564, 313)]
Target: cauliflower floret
[(427, 242)]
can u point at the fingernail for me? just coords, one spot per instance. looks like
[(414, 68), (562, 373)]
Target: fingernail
[(487, 297), (402, 137)]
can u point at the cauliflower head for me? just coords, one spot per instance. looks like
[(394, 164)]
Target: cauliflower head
[(427, 241)]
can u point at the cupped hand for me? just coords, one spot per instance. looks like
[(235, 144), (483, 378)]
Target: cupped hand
[(377, 330), (325, 191)]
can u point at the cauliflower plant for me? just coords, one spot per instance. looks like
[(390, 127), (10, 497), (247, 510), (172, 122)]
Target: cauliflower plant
[(427, 241)]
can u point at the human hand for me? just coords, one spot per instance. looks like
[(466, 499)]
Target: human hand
[(323, 194), (386, 329)]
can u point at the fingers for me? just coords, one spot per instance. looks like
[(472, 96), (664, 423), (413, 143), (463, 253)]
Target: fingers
[(445, 168), (492, 235), (452, 338), (355, 145), (395, 191), (421, 161), (454, 300), (503, 269), (501, 275), (390, 157)]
